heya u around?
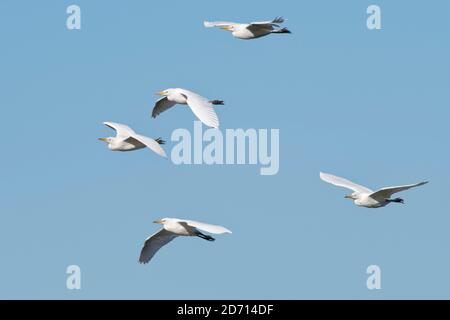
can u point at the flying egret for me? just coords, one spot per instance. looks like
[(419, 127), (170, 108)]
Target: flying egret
[(173, 228), (128, 140), (252, 30), (200, 106), (364, 197)]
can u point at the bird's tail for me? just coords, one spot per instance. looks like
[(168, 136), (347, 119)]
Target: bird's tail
[(217, 102), (160, 141), (282, 30)]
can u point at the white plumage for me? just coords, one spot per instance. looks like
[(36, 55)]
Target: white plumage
[(253, 30), (173, 228), (200, 106), (364, 197), (128, 140)]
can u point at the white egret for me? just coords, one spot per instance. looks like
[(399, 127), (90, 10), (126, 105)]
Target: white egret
[(200, 106), (364, 197), (128, 140), (173, 228), (251, 30)]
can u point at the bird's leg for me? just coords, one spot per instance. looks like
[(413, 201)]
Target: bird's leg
[(160, 141), (283, 30), (217, 102), (397, 200), (204, 236)]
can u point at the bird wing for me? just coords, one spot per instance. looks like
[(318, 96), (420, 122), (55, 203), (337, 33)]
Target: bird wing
[(122, 130), (211, 228), (386, 193), (213, 24), (153, 243), (202, 108), (273, 22), (162, 105), (150, 143), (341, 182)]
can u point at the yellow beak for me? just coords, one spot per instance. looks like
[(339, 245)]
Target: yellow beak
[(103, 139), (161, 93), (157, 221), (226, 28)]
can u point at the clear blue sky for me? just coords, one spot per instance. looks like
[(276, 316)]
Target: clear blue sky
[(372, 106)]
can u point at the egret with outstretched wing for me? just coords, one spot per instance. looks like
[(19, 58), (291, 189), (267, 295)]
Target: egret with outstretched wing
[(364, 197), (200, 106), (173, 228), (253, 30), (128, 140)]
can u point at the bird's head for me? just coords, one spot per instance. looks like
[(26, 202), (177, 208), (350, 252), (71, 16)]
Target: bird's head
[(165, 93), (160, 221), (228, 28), (352, 196), (107, 140)]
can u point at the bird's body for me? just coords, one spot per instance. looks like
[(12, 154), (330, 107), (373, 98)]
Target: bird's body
[(179, 96), (128, 140), (180, 229), (173, 228), (200, 106), (124, 145), (365, 200), (245, 32), (253, 30), (364, 197)]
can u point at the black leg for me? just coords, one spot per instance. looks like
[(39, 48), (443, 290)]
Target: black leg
[(160, 141), (397, 200), (217, 102), (204, 236), (284, 30)]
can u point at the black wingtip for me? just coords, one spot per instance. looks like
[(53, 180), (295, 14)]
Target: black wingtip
[(160, 141), (278, 20)]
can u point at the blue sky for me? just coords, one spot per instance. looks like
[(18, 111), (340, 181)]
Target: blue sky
[(371, 106)]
